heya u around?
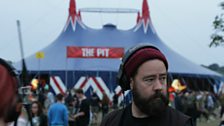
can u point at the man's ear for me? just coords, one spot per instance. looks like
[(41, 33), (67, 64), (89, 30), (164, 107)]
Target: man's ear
[(131, 83)]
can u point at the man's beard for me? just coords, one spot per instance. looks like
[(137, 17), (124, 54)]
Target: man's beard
[(151, 106)]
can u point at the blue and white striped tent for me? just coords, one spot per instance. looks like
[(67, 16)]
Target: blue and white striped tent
[(73, 71)]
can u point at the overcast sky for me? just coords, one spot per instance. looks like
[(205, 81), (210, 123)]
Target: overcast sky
[(184, 25)]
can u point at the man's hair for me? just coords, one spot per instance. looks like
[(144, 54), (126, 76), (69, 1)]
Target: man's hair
[(59, 97), (80, 91), (40, 108)]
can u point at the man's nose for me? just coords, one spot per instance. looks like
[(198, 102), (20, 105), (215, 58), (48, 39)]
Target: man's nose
[(158, 85)]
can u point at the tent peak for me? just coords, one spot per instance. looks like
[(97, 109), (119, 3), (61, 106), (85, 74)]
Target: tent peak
[(72, 10), (73, 17), (144, 19), (145, 12)]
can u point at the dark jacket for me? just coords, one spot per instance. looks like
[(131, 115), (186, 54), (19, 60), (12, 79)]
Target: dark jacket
[(170, 117)]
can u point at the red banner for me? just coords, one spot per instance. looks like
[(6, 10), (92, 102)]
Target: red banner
[(94, 52)]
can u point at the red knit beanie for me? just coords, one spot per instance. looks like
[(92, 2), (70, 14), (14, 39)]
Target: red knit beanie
[(7, 89), (140, 57)]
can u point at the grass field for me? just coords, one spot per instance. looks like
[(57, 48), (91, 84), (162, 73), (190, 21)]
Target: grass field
[(212, 122), (209, 123)]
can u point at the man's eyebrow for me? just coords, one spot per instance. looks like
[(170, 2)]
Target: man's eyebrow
[(148, 76), (154, 75), (163, 74)]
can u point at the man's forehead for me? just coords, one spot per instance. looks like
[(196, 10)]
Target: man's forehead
[(155, 74)]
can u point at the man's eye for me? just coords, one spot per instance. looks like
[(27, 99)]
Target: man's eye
[(149, 79), (162, 78)]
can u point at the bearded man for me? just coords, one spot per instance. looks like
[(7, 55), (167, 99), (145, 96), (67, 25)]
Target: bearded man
[(10, 102), (144, 71)]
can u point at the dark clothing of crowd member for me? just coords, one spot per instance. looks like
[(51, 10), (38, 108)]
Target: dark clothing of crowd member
[(84, 107), (95, 102), (83, 115), (105, 104), (38, 117), (124, 117), (115, 101)]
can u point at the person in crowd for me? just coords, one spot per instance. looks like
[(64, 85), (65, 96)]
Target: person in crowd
[(58, 113), (72, 109), (115, 101), (144, 71), (221, 100), (11, 104), (68, 97), (41, 96), (189, 105), (83, 115), (94, 107), (178, 101), (94, 102), (38, 117), (49, 97), (105, 104), (200, 104)]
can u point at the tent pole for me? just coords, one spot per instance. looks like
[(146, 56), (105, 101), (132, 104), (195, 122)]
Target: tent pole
[(39, 69), (197, 79), (73, 78), (66, 74), (97, 73), (213, 85), (24, 72), (110, 82)]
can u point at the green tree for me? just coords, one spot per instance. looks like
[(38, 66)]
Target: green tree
[(218, 24)]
